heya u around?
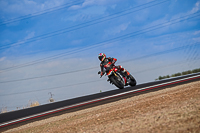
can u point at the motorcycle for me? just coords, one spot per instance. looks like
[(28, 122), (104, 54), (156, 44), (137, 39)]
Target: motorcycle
[(119, 78)]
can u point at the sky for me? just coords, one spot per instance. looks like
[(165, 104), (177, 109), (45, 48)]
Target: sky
[(52, 46)]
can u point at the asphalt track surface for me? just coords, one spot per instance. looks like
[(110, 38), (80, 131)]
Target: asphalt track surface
[(20, 117)]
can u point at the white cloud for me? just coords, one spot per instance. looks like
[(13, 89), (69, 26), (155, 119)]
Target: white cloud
[(86, 13), (196, 32), (50, 65), (117, 29), (75, 7), (169, 20), (196, 39), (196, 7), (113, 6), (19, 7), (193, 10), (29, 36), (2, 58), (93, 2), (14, 47), (25, 7), (77, 42)]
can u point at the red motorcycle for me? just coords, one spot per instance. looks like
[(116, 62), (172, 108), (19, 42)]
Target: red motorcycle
[(119, 78)]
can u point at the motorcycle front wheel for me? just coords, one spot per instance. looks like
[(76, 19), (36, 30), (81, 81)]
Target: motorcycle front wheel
[(117, 81)]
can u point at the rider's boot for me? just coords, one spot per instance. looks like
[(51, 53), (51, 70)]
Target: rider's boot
[(127, 76), (128, 80)]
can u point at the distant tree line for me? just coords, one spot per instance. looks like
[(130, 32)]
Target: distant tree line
[(179, 74)]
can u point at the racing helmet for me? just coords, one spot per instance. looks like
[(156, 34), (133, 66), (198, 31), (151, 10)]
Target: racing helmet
[(102, 56)]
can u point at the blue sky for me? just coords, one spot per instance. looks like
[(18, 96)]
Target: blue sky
[(48, 37)]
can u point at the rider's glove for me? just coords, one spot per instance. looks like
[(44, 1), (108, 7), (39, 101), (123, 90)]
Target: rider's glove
[(102, 73)]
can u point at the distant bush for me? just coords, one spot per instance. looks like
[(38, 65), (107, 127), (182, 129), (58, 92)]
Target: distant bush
[(196, 70), (173, 75), (184, 73), (179, 74), (31, 104), (4, 110), (160, 77)]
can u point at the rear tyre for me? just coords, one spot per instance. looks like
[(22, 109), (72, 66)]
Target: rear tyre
[(117, 81), (133, 81)]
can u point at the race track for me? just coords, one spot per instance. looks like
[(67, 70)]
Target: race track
[(56, 108)]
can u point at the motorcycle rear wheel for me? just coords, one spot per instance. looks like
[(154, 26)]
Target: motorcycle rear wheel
[(133, 81)]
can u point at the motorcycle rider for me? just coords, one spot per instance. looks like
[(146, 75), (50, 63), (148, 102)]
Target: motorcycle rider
[(108, 63)]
